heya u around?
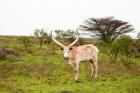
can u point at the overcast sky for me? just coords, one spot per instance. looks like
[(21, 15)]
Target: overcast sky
[(22, 17)]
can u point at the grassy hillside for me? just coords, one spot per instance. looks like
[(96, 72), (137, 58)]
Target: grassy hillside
[(45, 71)]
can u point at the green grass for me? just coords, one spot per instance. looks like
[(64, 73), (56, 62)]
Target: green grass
[(33, 85), (54, 75), (24, 58), (43, 72)]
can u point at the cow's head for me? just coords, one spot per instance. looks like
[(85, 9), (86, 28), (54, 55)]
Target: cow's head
[(66, 49)]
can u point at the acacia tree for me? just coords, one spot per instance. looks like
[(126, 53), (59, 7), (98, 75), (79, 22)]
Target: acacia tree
[(108, 28), (41, 35)]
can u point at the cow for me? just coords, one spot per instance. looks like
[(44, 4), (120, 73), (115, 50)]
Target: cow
[(74, 55)]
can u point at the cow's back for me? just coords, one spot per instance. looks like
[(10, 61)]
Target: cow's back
[(86, 52)]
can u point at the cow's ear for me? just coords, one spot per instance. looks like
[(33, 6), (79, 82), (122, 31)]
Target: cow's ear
[(61, 48), (70, 49)]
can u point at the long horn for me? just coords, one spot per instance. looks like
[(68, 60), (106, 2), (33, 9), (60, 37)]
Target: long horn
[(57, 42), (77, 38)]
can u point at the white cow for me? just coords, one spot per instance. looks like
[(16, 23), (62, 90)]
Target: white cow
[(80, 53)]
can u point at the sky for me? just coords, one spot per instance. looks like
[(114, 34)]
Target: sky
[(22, 17)]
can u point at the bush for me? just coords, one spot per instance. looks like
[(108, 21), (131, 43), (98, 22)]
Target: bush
[(119, 48), (125, 44), (26, 43)]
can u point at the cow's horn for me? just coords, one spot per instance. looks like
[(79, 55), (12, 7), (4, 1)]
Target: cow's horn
[(77, 38), (57, 42)]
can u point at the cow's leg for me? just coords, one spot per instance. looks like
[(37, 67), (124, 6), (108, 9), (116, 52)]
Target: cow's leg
[(76, 70), (92, 68), (95, 66)]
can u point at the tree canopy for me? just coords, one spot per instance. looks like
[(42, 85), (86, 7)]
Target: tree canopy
[(108, 28), (41, 35)]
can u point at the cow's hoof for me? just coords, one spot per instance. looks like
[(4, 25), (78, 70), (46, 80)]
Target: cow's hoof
[(78, 81)]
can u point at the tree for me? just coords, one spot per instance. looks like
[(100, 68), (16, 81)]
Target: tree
[(26, 43), (125, 43), (47, 38), (138, 36), (41, 35), (108, 28), (60, 33), (114, 52), (69, 34), (138, 43)]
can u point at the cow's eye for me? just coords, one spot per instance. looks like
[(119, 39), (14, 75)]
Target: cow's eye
[(70, 49)]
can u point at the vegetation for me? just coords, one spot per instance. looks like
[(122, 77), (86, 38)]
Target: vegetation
[(138, 36), (42, 72), (108, 28), (121, 47), (68, 34), (41, 36), (26, 43)]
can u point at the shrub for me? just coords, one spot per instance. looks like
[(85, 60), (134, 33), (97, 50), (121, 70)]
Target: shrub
[(120, 47), (125, 44), (26, 43)]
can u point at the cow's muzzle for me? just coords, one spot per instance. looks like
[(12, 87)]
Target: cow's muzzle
[(66, 58)]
